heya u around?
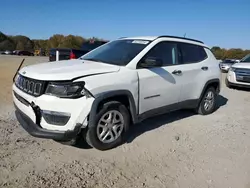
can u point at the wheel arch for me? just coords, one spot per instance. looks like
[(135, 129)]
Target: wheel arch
[(123, 96), (211, 83)]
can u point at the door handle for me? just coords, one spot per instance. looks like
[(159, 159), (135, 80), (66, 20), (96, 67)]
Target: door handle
[(204, 68), (177, 72)]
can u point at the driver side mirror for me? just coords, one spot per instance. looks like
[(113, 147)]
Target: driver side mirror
[(151, 62)]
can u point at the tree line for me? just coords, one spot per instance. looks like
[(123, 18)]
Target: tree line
[(20, 42), (233, 53)]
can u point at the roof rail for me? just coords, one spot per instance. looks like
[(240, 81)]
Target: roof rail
[(181, 38)]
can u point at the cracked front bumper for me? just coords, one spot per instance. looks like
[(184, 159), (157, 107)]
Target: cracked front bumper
[(37, 131)]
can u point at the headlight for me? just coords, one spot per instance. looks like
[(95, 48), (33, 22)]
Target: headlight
[(232, 69), (66, 90)]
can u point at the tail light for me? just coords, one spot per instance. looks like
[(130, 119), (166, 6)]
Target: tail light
[(72, 55)]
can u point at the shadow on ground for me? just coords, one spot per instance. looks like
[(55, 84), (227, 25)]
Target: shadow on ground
[(241, 88), (164, 120), (152, 123)]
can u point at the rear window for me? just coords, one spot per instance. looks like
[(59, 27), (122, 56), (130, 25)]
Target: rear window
[(192, 53)]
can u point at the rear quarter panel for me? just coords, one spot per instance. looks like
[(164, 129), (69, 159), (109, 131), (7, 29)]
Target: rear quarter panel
[(213, 72)]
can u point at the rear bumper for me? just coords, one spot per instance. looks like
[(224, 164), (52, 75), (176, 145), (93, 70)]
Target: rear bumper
[(37, 131)]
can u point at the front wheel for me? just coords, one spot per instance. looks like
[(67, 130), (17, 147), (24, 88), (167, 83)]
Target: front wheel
[(109, 128), (207, 104)]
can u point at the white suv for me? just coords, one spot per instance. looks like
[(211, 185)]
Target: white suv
[(239, 74), (114, 86)]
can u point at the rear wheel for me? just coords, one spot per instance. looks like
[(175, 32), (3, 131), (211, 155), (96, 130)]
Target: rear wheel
[(109, 128), (208, 102)]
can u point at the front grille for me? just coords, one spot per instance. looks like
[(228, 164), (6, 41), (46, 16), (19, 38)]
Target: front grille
[(30, 86), (242, 75)]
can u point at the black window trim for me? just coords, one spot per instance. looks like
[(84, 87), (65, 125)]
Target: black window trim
[(193, 45), (178, 47)]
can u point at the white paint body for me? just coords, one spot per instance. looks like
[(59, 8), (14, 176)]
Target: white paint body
[(100, 78)]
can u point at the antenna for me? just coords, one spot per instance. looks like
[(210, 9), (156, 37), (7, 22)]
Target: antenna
[(185, 35)]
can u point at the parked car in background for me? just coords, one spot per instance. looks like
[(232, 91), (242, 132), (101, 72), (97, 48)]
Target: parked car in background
[(65, 53), (23, 52), (68, 53), (239, 74), (226, 64), (15, 52), (91, 45), (7, 52)]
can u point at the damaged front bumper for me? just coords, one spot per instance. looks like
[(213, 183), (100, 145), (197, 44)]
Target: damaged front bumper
[(37, 131)]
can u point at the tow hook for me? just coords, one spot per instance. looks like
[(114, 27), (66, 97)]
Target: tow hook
[(37, 112)]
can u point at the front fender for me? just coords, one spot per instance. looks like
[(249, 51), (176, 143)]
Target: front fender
[(103, 96)]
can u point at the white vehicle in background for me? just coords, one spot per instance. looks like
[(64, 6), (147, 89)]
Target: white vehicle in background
[(239, 73), (114, 86), (7, 52), (226, 64)]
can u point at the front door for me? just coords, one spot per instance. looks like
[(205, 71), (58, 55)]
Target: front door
[(160, 86)]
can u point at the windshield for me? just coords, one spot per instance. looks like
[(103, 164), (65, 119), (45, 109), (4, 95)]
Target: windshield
[(119, 52), (87, 46), (246, 58)]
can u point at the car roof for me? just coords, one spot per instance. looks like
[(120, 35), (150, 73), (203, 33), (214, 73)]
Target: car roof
[(171, 38), (150, 38)]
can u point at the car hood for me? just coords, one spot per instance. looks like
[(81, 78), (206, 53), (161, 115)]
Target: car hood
[(245, 65), (67, 70)]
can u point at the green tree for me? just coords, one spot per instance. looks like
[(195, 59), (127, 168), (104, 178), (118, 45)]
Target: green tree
[(20, 42), (55, 41), (71, 41), (6, 43), (23, 43)]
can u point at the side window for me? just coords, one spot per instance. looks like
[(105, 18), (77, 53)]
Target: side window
[(192, 53), (166, 51)]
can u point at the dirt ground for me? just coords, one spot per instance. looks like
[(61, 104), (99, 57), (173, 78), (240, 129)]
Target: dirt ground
[(176, 150)]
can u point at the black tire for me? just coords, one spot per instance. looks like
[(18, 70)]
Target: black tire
[(91, 134), (201, 108)]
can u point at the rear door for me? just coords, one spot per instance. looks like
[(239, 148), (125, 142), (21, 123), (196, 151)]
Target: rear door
[(195, 70)]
